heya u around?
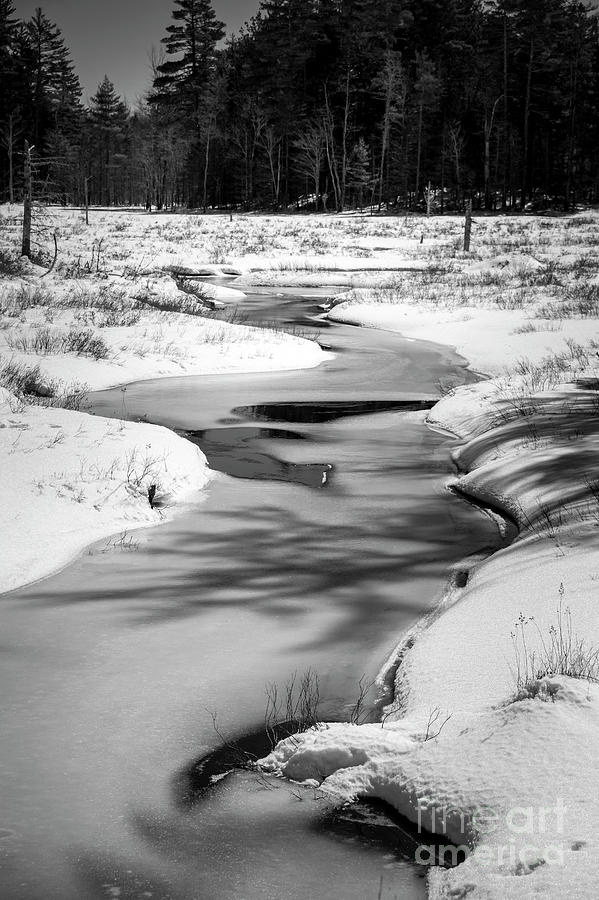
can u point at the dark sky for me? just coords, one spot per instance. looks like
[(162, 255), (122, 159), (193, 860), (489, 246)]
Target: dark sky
[(115, 37)]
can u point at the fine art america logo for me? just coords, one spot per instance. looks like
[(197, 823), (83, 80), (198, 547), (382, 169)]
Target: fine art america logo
[(531, 836)]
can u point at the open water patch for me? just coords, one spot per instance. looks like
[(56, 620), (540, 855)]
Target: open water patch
[(367, 820), (231, 450), (327, 411)]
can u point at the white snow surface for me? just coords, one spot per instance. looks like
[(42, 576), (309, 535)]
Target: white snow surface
[(70, 479), (490, 741), (505, 769)]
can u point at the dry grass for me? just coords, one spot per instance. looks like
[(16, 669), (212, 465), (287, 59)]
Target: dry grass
[(558, 651)]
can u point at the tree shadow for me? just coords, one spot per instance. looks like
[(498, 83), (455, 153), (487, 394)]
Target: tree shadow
[(273, 559)]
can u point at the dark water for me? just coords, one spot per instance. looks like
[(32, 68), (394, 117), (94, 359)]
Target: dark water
[(122, 671)]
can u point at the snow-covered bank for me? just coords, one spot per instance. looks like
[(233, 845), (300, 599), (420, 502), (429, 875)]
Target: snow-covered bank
[(486, 741), (103, 316), (491, 739), (490, 339), (70, 479)]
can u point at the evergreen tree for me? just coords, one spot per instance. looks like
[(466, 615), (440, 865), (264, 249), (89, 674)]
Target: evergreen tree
[(181, 81), (55, 91), (8, 27), (10, 95), (109, 118)]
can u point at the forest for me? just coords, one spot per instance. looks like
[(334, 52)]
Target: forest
[(318, 105)]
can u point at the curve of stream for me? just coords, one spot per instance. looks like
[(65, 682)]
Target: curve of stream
[(328, 534)]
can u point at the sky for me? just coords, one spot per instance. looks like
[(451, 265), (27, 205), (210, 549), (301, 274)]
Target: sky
[(115, 37)]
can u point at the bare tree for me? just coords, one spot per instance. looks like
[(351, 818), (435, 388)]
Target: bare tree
[(488, 123), (457, 143), (331, 154), (311, 153), (392, 84), (337, 150), (271, 142), (246, 135), (8, 137)]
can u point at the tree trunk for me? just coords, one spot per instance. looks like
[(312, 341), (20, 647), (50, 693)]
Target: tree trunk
[(344, 141), (206, 165), (10, 141), (525, 165), (26, 242), (570, 159), (418, 151), (330, 151), (467, 226), (488, 131), (507, 149)]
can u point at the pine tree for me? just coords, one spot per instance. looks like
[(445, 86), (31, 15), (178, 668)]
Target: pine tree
[(54, 86), (182, 81), (10, 98), (109, 119), (8, 26)]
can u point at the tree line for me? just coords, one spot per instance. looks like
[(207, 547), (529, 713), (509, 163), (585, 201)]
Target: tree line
[(319, 104)]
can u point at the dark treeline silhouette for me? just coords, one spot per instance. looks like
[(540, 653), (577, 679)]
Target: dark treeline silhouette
[(319, 104)]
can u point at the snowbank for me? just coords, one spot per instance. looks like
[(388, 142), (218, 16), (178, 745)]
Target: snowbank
[(516, 782), (490, 339), (488, 742), (70, 479)]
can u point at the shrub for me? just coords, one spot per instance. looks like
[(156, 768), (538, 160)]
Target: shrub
[(10, 263), (24, 380), (44, 341), (30, 385), (294, 709), (71, 396), (85, 342), (580, 301)]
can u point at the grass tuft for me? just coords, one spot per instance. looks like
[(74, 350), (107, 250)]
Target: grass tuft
[(559, 651)]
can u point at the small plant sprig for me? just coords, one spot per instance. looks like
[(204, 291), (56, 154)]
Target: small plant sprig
[(295, 709), (559, 652)]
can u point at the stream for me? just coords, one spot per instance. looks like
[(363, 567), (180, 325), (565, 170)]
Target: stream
[(327, 534)]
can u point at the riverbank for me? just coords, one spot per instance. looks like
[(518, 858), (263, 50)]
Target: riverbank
[(71, 478), (94, 321), (491, 739)]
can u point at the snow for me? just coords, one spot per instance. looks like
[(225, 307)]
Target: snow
[(488, 742), (71, 479), (535, 835), (484, 743), (498, 762)]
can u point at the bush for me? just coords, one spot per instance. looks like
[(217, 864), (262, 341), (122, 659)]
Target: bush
[(10, 263), (24, 380), (580, 301), (82, 341), (30, 385)]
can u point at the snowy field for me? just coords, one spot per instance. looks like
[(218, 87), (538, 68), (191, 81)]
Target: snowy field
[(492, 737)]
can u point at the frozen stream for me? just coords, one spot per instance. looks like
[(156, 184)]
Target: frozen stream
[(111, 669)]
